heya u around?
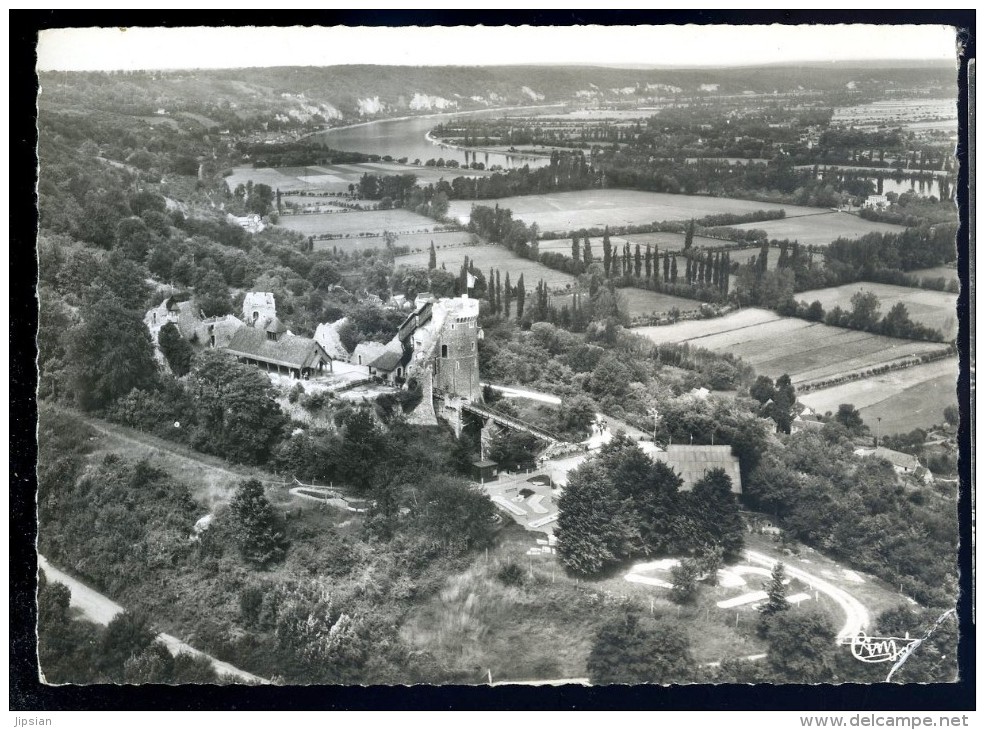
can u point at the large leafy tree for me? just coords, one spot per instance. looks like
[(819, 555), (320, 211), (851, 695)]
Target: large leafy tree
[(715, 512), (514, 450), (127, 635), (237, 415), (212, 295), (260, 543), (358, 455), (634, 649), (109, 354), (453, 513), (589, 527), (175, 348), (657, 507)]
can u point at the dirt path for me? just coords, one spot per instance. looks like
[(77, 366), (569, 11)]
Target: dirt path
[(856, 615), (101, 610), (182, 454)]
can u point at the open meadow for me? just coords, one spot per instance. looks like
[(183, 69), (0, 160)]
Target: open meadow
[(487, 256), (931, 308), (596, 208), (415, 242), (905, 399), (821, 229), (352, 223), (775, 345), (938, 272)]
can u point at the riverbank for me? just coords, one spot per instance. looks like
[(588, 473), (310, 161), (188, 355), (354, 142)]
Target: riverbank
[(409, 117), (488, 150)]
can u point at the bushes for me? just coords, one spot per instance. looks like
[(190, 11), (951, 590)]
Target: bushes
[(510, 574), (260, 542)]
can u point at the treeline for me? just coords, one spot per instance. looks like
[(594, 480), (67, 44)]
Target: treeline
[(874, 257), (705, 275), (848, 260), (864, 315), (621, 505), (702, 226), (565, 172), (912, 210), (299, 154)]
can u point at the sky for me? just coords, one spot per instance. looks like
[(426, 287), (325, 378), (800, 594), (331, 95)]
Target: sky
[(81, 49)]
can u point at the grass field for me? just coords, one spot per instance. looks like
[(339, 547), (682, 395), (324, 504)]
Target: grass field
[(416, 242), (776, 345), (355, 222), (589, 208), (938, 272), (904, 400), (488, 256), (820, 230), (641, 301), (931, 308), (544, 629)]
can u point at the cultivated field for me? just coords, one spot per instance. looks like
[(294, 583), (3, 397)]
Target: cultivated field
[(640, 302), (414, 241), (904, 399), (264, 175), (488, 256), (822, 229), (352, 223), (931, 308), (775, 345), (590, 208)]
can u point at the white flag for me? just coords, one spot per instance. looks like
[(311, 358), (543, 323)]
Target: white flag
[(469, 280)]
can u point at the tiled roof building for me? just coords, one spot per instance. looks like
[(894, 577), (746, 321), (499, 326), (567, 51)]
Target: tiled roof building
[(273, 349)]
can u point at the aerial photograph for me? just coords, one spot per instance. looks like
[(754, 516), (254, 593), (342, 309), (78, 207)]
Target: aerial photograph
[(360, 368)]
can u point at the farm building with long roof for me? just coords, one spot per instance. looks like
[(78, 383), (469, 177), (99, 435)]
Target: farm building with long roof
[(275, 349)]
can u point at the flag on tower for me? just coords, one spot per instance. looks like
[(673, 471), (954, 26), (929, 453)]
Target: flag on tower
[(469, 280)]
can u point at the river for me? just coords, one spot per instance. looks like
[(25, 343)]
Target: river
[(406, 137)]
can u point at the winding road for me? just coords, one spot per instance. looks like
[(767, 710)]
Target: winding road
[(856, 615), (101, 610)]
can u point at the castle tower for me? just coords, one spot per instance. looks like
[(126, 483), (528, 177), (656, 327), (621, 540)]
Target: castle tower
[(456, 357)]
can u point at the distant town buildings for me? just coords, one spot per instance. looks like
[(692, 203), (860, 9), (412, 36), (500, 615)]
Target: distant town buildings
[(905, 464), (875, 201), (252, 223)]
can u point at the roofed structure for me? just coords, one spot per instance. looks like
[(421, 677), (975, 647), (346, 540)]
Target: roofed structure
[(300, 357), (259, 306), (208, 332), (366, 352), (692, 463), (902, 463), (327, 335)]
